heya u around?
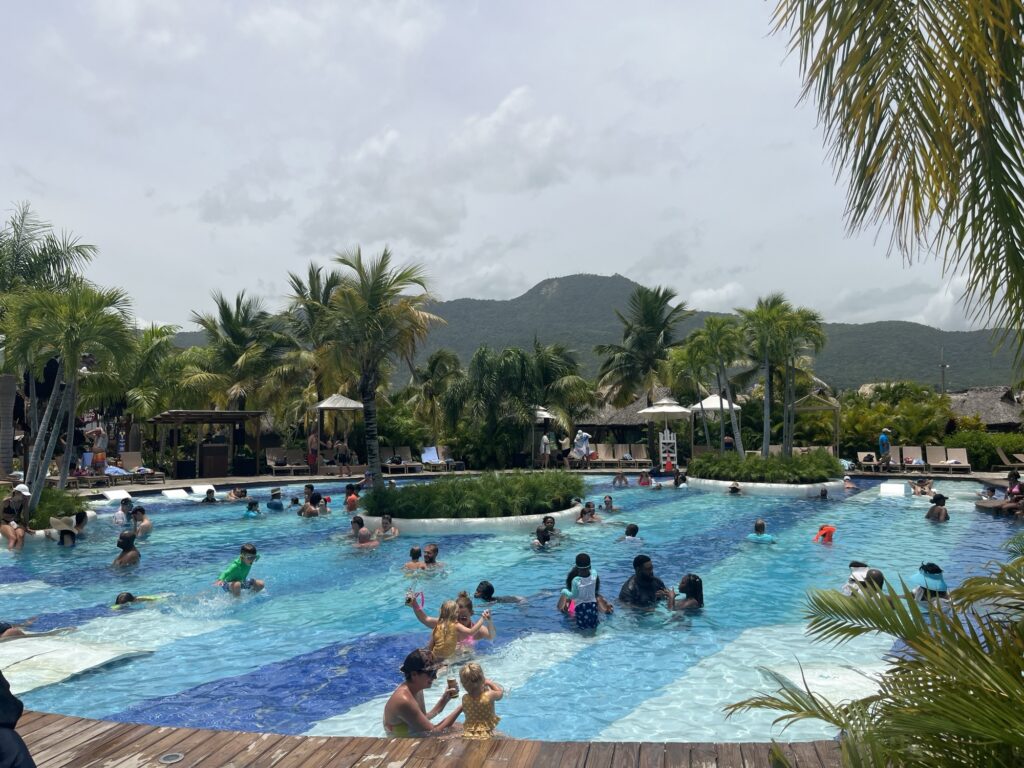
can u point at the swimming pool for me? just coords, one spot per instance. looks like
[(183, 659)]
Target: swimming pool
[(318, 651)]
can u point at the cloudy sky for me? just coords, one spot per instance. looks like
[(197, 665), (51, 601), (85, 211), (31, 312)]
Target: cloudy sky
[(216, 146)]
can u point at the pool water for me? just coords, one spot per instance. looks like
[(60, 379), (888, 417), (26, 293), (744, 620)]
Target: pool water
[(319, 650)]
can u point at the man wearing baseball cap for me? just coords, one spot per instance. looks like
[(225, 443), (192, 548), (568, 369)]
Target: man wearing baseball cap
[(884, 443)]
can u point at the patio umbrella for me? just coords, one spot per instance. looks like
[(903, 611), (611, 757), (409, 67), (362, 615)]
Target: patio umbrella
[(667, 408), (334, 403), (540, 415), (712, 403)]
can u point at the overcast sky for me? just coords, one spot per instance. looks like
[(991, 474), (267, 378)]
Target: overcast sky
[(215, 146)]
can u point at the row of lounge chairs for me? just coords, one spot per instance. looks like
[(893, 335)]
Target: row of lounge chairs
[(935, 458), (131, 463), (619, 456), (1007, 464)]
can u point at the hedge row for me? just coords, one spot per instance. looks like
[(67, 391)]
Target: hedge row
[(814, 467)]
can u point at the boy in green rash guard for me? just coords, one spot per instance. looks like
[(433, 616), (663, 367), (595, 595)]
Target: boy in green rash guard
[(235, 577)]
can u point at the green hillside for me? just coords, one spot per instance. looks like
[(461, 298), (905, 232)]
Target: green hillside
[(579, 311)]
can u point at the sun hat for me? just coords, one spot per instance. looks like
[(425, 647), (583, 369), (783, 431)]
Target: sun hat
[(22, 489), (63, 524)]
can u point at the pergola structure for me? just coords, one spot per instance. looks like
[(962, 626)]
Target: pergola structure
[(178, 419), (814, 402)]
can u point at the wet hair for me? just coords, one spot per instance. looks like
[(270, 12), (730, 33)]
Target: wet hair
[(308, 487), (930, 568), (209, 492), (315, 498), (420, 660), (126, 541), (607, 498), (248, 549), (124, 597), (81, 518), (575, 571), (823, 493), (759, 525), (67, 534), (875, 578), (692, 586), (127, 500), (384, 517), (858, 564), (295, 501), (449, 611), (543, 534), (349, 489), (632, 529), (472, 677), (141, 510), (639, 561), (253, 504), (547, 518), (415, 553), (357, 520), (485, 590)]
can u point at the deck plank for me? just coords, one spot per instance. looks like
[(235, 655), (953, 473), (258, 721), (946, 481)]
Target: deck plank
[(44, 725), (677, 754), (806, 755), (76, 754), (124, 751), (651, 755), (703, 755), (790, 755), (70, 739), (829, 753), (561, 754), (755, 755), (600, 755), (729, 755)]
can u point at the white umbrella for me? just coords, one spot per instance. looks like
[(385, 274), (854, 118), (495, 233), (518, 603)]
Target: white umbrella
[(542, 414), (334, 403), (666, 407), (713, 402)]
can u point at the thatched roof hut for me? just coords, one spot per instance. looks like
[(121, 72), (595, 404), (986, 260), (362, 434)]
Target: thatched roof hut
[(608, 416), (998, 407)]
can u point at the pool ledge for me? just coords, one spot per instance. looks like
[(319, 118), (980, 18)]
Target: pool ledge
[(804, 491), (448, 525)]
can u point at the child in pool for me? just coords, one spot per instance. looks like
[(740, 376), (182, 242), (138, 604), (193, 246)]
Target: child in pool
[(478, 702), (583, 594), (447, 632), (235, 577)]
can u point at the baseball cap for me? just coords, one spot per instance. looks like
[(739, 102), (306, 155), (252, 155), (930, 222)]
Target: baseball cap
[(22, 489)]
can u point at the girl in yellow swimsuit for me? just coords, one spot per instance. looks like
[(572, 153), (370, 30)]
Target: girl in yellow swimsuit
[(448, 631), (478, 703)]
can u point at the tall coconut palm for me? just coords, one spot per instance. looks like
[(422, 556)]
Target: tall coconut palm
[(921, 106), (649, 331), (763, 329), (557, 385), (374, 320), (802, 333), (243, 342), (689, 367), (429, 382), (721, 339), (32, 255), (78, 321)]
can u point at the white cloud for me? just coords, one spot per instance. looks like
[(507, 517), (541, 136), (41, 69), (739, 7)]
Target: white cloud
[(721, 299)]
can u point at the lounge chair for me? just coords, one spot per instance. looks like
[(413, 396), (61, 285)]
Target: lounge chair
[(323, 468), (605, 456), (640, 456), (935, 455), (620, 452), (913, 459), (432, 461), (867, 465), (407, 466), (279, 461), (774, 449), (132, 461), (1007, 463), (957, 460)]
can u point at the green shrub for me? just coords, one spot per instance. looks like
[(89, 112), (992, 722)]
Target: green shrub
[(490, 495), (981, 446), (813, 467), (55, 503)]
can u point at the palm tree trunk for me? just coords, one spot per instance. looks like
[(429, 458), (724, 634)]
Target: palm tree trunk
[(8, 391), (37, 441), (737, 437), (369, 397), (34, 402), (767, 431), (69, 438), (39, 478), (721, 412)]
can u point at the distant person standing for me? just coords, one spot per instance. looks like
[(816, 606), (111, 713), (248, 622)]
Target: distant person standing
[(545, 450), (99, 447), (884, 444), (313, 451)]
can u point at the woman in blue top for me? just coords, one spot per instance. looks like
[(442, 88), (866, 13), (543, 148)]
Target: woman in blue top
[(581, 595), (759, 536)]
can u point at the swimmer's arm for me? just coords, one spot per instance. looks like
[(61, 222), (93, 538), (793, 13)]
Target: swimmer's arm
[(427, 621), (490, 629), (442, 702), (603, 605), (486, 617), (496, 690)]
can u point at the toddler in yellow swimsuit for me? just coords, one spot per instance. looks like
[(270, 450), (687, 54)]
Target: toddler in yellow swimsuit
[(478, 703)]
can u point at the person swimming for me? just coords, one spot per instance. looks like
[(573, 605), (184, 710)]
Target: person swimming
[(759, 536)]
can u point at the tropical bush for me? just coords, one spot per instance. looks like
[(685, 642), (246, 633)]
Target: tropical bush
[(981, 446), (55, 503), (953, 698), (813, 467), (490, 495)]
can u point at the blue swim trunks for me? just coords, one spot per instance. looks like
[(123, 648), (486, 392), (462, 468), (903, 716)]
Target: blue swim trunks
[(247, 584)]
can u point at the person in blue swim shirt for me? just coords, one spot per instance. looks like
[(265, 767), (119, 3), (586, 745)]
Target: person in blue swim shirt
[(582, 594), (884, 443), (759, 536)]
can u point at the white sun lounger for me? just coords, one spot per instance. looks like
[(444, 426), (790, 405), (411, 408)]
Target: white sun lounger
[(35, 662), (201, 489), (116, 495), (175, 493)]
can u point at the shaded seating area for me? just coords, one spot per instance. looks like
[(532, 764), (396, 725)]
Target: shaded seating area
[(287, 462), (211, 459)]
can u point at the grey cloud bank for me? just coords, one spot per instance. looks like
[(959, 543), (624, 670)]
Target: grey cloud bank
[(212, 147)]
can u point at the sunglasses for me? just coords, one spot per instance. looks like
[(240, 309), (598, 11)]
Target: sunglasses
[(253, 558)]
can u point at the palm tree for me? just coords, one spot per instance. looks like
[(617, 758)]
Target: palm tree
[(954, 698), (763, 331), (243, 342), (692, 364), (721, 339), (78, 321), (921, 106), (802, 333), (374, 321), (429, 382), (32, 255), (648, 333), (556, 384)]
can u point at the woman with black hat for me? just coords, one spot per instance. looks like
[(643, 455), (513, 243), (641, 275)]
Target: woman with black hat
[(405, 714)]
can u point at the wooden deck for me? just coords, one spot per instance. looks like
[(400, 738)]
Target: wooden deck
[(57, 741)]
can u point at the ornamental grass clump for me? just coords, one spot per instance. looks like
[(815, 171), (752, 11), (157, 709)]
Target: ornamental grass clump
[(490, 495)]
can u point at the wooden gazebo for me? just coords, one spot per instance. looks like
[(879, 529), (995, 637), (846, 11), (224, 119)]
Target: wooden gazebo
[(178, 419)]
